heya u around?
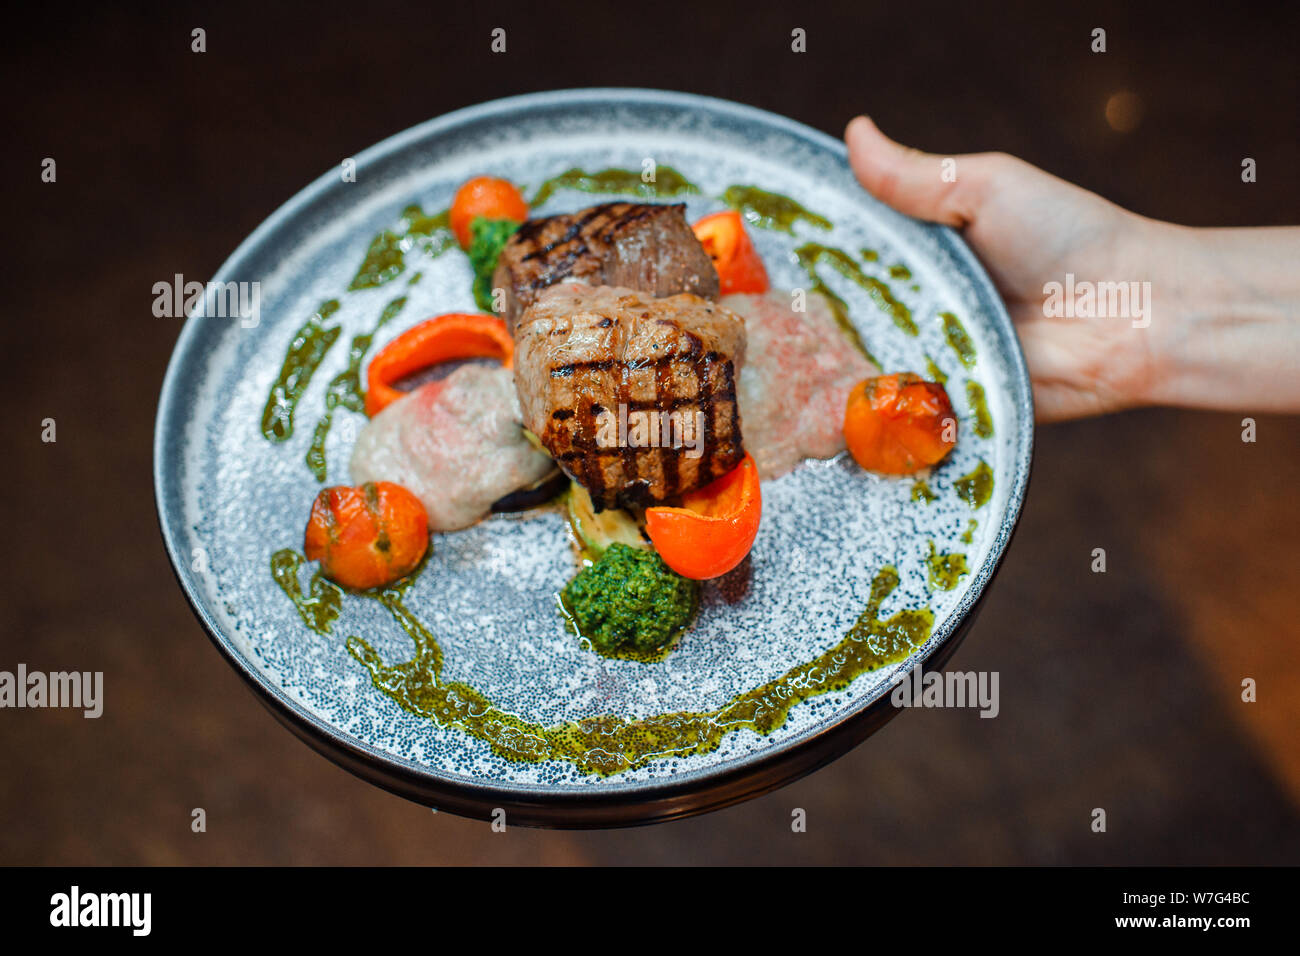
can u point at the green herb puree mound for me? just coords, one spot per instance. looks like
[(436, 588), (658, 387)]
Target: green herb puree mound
[(488, 238), (629, 601)]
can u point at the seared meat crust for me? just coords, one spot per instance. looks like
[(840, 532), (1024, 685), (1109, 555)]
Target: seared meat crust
[(641, 246), (583, 354)]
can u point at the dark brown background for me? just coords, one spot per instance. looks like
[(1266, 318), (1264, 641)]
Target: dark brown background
[(1118, 690)]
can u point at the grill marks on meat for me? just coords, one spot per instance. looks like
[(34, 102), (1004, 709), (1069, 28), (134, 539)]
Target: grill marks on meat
[(696, 379), (613, 332), (585, 352), (642, 246)]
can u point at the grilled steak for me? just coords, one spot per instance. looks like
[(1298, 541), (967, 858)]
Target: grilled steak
[(649, 248), (634, 396)]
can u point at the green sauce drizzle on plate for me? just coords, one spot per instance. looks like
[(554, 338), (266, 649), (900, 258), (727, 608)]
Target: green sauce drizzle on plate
[(770, 210), (957, 338), (667, 182), (811, 254), (607, 744), (976, 487), (306, 350), (979, 407), (945, 569), (344, 389)]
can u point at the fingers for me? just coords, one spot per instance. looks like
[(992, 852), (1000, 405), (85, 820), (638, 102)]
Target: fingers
[(942, 189)]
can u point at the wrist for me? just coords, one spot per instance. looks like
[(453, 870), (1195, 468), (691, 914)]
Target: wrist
[(1223, 324)]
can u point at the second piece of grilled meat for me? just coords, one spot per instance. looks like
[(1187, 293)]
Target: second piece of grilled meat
[(641, 246), (610, 379)]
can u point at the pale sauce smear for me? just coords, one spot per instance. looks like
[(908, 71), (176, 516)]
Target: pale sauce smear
[(457, 444), (798, 372)]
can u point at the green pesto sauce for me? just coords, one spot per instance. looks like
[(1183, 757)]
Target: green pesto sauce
[(770, 210), (431, 234), (957, 338), (627, 604), (899, 271), (969, 534), (383, 262), (344, 389), (667, 182), (975, 488), (979, 407), (629, 654), (624, 652), (945, 569), (921, 492), (319, 607), (811, 254), (416, 222), (308, 348), (936, 374), (415, 278), (607, 744), (385, 258), (870, 255), (840, 310)]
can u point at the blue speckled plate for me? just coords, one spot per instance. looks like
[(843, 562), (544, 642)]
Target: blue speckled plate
[(228, 498)]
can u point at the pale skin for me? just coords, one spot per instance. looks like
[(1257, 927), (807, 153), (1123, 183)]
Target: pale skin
[(1224, 327)]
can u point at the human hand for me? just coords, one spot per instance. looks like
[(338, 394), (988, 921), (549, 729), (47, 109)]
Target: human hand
[(1220, 323)]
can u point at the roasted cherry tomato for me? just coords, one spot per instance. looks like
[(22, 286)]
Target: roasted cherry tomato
[(899, 423), (367, 537), (488, 197)]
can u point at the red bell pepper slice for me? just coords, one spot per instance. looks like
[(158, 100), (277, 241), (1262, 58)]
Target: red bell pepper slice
[(457, 335), (715, 527), (724, 238)]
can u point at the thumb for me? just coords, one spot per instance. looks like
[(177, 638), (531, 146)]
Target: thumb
[(942, 189)]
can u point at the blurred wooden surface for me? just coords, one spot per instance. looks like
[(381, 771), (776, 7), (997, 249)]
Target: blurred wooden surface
[(1119, 690)]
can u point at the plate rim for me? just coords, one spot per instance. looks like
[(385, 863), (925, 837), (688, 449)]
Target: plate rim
[(636, 802)]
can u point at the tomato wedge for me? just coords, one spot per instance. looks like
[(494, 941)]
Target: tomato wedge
[(457, 335), (724, 238), (488, 197), (899, 424), (715, 527), (366, 537)]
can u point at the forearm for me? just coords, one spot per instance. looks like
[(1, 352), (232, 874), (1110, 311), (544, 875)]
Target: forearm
[(1226, 325)]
